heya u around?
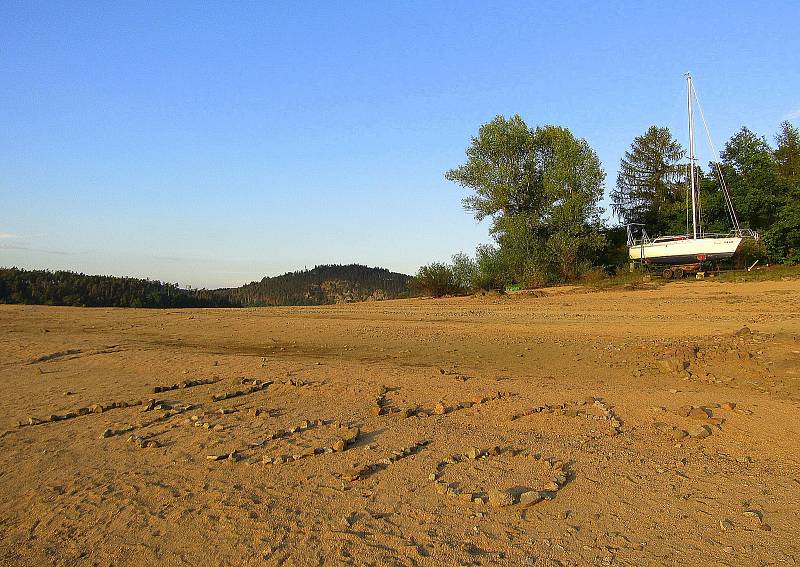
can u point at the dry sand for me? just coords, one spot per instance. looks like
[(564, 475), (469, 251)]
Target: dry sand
[(584, 395)]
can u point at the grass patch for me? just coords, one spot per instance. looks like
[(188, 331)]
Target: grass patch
[(640, 279), (630, 280), (767, 273)]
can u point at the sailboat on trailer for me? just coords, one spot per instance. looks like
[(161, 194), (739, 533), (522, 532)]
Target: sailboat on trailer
[(697, 247)]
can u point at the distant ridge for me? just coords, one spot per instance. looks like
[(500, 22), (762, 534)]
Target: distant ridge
[(322, 285), (43, 287), (319, 286)]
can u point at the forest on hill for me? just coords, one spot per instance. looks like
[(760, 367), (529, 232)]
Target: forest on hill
[(322, 285), (43, 287), (318, 286)]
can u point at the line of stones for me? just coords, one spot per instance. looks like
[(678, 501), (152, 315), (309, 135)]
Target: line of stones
[(381, 408), (255, 386), (94, 408), (562, 409), (402, 453), (441, 409), (500, 498), (145, 440), (185, 384)]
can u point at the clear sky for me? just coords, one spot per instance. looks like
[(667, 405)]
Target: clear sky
[(213, 143)]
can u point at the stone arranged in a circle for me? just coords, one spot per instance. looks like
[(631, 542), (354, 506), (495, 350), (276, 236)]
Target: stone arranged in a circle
[(345, 436), (577, 409), (500, 498)]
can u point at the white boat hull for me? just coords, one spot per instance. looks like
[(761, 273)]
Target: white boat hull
[(685, 251)]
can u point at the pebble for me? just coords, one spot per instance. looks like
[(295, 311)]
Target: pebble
[(699, 432), (699, 413), (678, 434), (530, 497), (500, 498), (106, 433)]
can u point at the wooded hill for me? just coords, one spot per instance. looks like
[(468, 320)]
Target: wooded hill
[(319, 286), (322, 285), (43, 287)]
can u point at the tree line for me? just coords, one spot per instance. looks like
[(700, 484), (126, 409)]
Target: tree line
[(318, 286), (541, 188), (43, 287)]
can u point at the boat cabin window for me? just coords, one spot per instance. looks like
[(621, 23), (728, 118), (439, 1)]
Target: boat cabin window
[(669, 238)]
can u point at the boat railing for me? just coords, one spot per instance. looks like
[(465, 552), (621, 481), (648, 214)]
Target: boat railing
[(644, 239), (741, 233)]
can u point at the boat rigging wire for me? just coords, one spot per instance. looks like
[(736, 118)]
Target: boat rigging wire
[(725, 192)]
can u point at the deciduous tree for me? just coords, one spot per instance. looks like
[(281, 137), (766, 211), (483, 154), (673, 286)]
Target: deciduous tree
[(541, 188)]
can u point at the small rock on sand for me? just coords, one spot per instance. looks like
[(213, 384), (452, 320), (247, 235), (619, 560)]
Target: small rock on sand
[(699, 432), (678, 434), (500, 498), (673, 364), (699, 413), (474, 453), (530, 497)]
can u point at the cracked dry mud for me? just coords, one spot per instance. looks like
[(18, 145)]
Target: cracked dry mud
[(673, 413)]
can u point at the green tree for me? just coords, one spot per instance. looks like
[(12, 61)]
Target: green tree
[(435, 279), (651, 183), (541, 188), (465, 271), (787, 155), (751, 172), (783, 237)]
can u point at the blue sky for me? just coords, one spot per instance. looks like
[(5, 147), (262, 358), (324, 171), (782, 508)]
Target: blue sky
[(214, 143)]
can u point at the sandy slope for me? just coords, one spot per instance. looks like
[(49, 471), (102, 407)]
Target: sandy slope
[(630, 492)]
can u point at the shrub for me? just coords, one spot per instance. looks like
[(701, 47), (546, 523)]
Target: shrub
[(435, 279)]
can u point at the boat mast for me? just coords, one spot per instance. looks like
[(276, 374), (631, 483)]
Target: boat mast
[(695, 222)]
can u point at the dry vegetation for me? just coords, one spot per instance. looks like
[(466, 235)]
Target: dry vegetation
[(575, 427)]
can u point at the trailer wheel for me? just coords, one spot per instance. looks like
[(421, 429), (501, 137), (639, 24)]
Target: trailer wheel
[(678, 273), (667, 273)]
